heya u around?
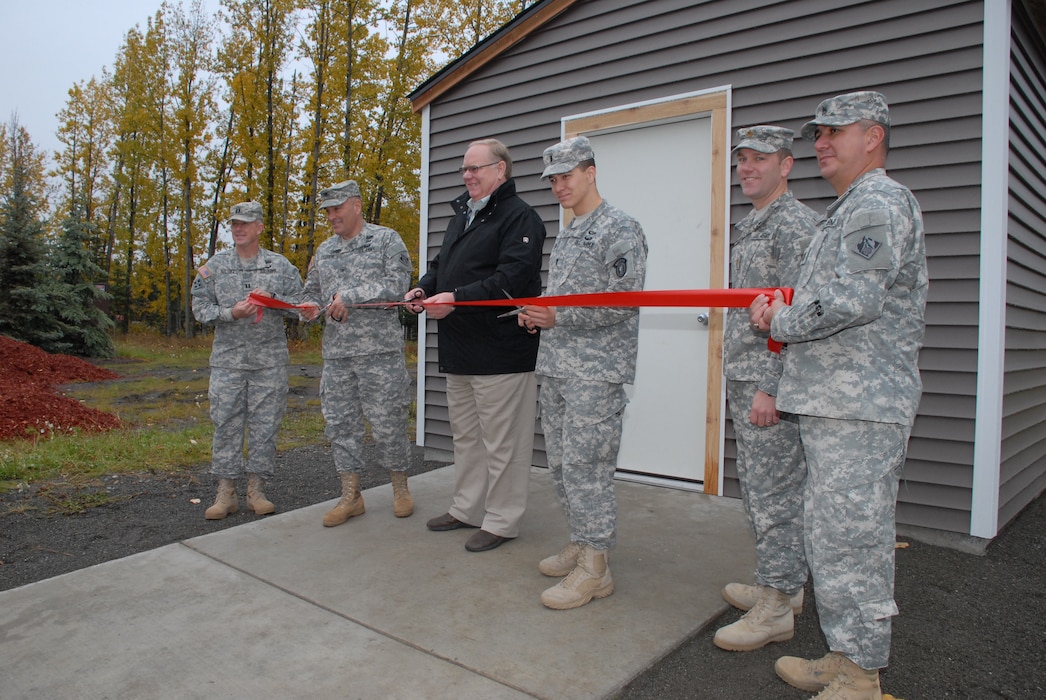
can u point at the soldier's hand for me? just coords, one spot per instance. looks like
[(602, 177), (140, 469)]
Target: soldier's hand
[(764, 411), (756, 310), (310, 310), (243, 309), (337, 311), (538, 317)]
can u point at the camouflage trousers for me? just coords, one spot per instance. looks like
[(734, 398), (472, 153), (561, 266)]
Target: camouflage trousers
[(371, 385), (772, 472), (247, 406), (853, 472), (581, 421)]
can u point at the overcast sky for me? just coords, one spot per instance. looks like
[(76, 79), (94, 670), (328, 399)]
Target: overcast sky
[(47, 46)]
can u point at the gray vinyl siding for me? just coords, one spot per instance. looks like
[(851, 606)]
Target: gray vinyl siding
[(780, 59), (1023, 468)]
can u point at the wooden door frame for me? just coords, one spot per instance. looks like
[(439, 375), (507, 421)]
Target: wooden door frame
[(714, 103)]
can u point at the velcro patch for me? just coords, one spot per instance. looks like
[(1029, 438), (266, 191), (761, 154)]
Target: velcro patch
[(867, 246), (621, 267), (204, 272)]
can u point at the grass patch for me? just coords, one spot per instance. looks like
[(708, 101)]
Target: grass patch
[(157, 351), (301, 428), (90, 455), (69, 501), (147, 401), (161, 398)]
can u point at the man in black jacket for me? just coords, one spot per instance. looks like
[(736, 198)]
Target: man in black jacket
[(492, 248)]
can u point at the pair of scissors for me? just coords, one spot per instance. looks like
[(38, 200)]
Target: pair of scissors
[(514, 312)]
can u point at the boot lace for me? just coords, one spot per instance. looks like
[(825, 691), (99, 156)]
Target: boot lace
[(570, 553), (578, 572), (763, 608)]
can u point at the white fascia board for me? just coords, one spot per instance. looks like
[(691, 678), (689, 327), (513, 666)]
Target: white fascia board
[(991, 340), (423, 247)]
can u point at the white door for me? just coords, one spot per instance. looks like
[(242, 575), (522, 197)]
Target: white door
[(661, 173)]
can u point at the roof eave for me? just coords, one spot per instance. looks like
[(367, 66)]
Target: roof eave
[(454, 73)]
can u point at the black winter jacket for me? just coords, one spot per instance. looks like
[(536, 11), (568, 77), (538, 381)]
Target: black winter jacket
[(499, 252)]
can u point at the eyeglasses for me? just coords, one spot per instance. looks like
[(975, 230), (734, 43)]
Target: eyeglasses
[(473, 169)]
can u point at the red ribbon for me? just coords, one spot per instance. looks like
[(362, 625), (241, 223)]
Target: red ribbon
[(727, 298), (269, 303), (272, 303)]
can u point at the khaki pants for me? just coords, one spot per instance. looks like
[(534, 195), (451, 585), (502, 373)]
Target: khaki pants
[(493, 420)]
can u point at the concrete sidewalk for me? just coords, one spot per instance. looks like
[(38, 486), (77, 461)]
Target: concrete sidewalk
[(377, 608)]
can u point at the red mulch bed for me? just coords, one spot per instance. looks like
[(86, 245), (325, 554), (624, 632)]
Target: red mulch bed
[(30, 404)]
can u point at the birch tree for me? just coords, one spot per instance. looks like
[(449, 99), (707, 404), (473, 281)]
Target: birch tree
[(255, 53), (139, 90), (86, 130), (298, 94), (192, 108)]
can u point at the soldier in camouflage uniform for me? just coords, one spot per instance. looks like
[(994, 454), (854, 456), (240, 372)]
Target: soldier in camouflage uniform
[(851, 374), (586, 357), (766, 252), (248, 385), (364, 368)]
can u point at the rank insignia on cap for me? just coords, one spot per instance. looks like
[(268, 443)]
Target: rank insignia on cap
[(867, 247)]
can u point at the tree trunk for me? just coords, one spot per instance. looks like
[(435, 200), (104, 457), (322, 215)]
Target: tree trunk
[(187, 222)]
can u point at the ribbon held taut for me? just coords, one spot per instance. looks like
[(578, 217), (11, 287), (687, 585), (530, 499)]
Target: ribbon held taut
[(725, 298)]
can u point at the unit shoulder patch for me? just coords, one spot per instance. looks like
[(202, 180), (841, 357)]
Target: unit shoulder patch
[(866, 247)]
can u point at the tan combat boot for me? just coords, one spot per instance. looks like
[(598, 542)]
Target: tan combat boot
[(589, 579), (769, 620), (256, 500), (402, 501), (351, 503), (561, 564), (743, 597), (853, 683), (811, 675), (225, 503)]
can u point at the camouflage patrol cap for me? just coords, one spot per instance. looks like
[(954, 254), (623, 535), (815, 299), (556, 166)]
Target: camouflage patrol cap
[(336, 195), (764, 138), (566, 155), (848, 109), (246, 211)]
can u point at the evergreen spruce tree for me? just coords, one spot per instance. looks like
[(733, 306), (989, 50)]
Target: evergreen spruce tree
[(24, 307), (74, 296)]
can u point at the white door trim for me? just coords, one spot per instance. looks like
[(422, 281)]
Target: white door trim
[(714, 102)]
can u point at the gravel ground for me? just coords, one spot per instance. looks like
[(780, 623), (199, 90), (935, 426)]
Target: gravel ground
[(970, 626), (145, 511)]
